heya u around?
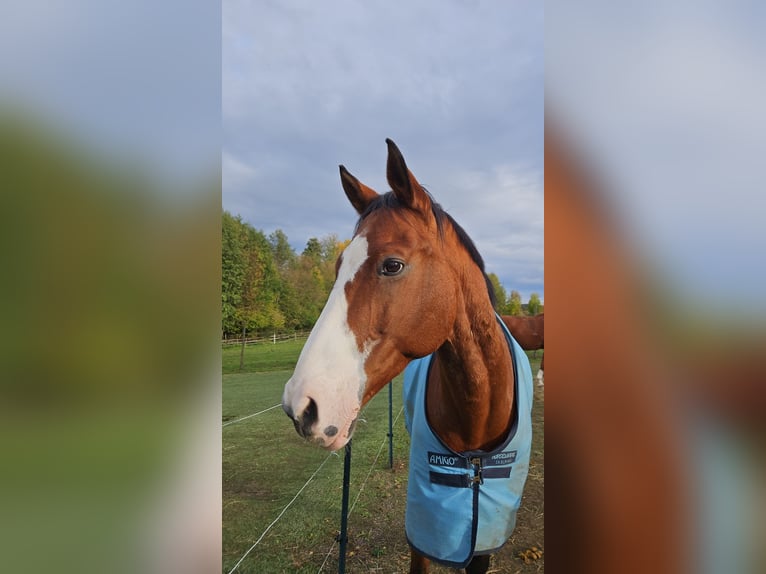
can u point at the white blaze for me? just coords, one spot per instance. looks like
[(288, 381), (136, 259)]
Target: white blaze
[(330, 369)]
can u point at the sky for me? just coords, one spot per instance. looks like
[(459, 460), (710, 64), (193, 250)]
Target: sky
[(122, 78), (458, 85), (666, 96), (666, 100)]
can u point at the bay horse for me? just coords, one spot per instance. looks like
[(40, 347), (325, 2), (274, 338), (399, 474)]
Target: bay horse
[(529, 332), (619, 503), (632, 412), (411, 290)]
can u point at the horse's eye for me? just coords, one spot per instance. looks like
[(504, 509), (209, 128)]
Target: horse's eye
[(392, 267)]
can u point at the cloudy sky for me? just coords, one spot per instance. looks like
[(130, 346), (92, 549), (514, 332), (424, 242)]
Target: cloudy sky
[(458, 85), (666, 98), (123, 78)]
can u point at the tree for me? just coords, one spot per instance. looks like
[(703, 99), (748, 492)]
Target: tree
[(310, 291), (330, 248), (266, 285), (261, 284), (286, 261), (232, 271), (250, 282), (514, 304), (533, 307), (313, 250), (500, 295), (284, 255), (260, 287)]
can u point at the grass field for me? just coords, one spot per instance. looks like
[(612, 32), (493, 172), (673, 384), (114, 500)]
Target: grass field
[(265, 464), (262, 357)]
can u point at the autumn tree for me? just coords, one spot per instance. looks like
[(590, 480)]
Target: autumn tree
[(232, 271), (313, 250), (284, 255), (501, 302), (533, 307), (514, 304), (266, 285)]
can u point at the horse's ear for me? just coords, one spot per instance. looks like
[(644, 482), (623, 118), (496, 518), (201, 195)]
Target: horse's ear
[(404, 185), (358, 194)]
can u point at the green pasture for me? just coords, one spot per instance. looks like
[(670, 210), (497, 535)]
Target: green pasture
[(261, 357), (265, 464)]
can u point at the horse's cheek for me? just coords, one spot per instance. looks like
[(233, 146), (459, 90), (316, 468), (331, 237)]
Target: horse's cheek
[(432, 325)]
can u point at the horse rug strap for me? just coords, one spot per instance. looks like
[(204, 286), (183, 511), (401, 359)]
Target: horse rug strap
[(463, 504)]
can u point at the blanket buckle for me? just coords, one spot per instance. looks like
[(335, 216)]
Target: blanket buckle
[(478, 476)]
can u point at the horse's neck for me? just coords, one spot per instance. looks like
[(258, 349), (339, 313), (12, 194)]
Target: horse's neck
[(470, 387)]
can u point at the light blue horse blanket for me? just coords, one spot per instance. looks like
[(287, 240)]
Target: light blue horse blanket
[(464, 504)]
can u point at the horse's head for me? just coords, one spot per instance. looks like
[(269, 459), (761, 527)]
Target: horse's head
[(394, 299)]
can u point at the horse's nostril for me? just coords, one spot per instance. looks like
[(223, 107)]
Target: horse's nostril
[(307, 419)]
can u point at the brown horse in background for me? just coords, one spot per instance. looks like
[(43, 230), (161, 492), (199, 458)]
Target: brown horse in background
[(529, 333), (623, 400), (615, 477)]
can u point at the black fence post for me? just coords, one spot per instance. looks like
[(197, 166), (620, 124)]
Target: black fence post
[(343, 537), (391, 425)]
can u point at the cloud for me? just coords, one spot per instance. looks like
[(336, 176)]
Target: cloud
[(458, 86), (502, 210), (123, 78), (667, 100), (236, 173)]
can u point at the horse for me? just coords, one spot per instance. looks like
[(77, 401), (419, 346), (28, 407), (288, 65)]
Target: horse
[(612, 434), (529, 332), (411, 293), (631, 416)]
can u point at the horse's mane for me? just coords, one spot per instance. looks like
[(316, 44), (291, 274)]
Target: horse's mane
[(389, 201)]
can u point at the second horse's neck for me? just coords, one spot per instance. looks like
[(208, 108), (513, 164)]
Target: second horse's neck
[(469, 397)]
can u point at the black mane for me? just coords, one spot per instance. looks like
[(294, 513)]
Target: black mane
[(389, 201)]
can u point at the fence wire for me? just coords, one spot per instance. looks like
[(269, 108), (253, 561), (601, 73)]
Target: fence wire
[(361, 488), (289, 504), (252, 415)]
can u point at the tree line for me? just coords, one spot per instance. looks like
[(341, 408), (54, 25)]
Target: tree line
[(266, 286), (510, 304)]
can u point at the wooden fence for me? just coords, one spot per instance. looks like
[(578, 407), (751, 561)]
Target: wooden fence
[(273, 338)]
